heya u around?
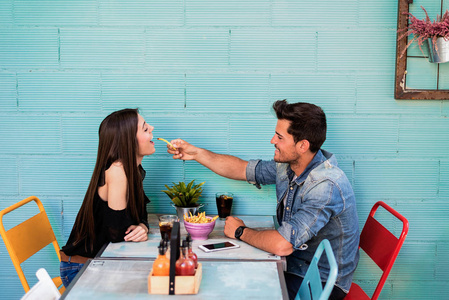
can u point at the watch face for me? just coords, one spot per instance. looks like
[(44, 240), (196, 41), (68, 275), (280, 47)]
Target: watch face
[(239, 232)]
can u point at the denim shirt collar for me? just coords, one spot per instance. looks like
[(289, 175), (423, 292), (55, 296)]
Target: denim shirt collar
[(317, 159)]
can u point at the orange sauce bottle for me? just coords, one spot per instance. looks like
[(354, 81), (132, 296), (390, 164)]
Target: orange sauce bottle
[(161, 266)]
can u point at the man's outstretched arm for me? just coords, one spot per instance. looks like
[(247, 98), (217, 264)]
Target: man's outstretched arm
[(224, 165)]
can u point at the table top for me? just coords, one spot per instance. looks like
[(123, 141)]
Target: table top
[(148, 249), (127, 278)]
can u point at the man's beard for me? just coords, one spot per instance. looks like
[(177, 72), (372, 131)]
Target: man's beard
[(288, 160)]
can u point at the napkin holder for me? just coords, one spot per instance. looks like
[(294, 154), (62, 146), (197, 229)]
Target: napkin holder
[(175, 285)]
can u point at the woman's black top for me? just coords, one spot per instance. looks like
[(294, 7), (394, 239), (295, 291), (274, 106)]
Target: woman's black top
[(110, 226)]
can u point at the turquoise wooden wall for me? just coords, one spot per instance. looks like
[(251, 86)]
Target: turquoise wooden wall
[(208, 71)]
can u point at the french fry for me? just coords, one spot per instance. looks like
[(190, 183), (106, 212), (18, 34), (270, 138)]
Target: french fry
[(170, 144), (199, 219)]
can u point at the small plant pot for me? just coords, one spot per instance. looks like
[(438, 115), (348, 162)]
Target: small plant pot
[(438, 51), (180, 211)]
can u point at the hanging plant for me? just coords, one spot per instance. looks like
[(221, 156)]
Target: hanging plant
[(425, 29)]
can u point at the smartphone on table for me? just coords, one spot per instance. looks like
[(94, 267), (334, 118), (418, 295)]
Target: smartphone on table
[(218, 246)]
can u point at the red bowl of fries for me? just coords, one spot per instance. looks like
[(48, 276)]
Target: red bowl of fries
[(199, 227)]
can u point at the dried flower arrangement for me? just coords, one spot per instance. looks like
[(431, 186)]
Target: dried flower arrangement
[(425, 29)]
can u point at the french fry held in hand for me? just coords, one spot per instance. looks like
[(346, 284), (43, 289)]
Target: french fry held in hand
[(170, 144), (200, 218)]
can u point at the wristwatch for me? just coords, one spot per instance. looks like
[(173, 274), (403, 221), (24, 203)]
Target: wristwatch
[(239, 231)]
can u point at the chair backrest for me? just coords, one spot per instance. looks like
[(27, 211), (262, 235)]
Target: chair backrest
[(380, 244), (311, 287), (44, 289), (28, 237)]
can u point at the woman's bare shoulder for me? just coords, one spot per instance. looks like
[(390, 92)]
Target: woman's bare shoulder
[(117, 186), (116, 172)]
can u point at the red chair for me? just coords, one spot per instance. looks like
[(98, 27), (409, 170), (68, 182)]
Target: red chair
[(381, 246)]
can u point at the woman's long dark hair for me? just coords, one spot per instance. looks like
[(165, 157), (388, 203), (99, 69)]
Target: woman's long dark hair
[(117, 142)]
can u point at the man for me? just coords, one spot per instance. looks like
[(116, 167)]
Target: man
[(315, 200)]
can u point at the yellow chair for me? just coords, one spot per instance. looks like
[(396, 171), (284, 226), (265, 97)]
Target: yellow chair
[(28, 238)]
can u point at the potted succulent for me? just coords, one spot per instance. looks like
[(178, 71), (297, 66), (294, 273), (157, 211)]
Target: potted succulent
[(435, 32), (185, 197)]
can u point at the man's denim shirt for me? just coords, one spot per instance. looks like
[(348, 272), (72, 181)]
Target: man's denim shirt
[(320, 205)]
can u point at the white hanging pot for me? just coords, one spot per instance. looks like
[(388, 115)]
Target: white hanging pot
[(439, 51)]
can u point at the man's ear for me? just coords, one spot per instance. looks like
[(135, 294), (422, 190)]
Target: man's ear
[(302, 146)]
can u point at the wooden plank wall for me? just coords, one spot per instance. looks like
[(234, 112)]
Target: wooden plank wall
[(208, 71)]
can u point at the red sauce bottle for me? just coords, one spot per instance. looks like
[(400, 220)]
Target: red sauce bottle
[(192, 254), (161, 266), (185, 266)]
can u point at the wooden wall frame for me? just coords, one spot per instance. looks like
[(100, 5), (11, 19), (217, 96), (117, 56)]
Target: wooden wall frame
[(400, 90)]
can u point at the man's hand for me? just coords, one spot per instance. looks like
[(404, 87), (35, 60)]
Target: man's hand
[(184, 150), (136, 233), (232, 223), (267, 240)]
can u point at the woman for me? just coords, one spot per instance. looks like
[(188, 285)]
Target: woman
[(114, 207)]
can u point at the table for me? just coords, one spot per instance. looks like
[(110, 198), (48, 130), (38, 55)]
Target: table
[(148, 249), (127, 279), (120, 270)]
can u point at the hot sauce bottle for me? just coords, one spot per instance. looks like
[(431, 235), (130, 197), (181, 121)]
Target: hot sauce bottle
[(185, 266), (161, 266), (192, 254), (166, 243)]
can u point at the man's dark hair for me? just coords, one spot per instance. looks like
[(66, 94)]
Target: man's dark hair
[(307, 122)]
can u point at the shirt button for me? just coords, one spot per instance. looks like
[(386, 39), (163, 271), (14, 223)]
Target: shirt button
[(293, 231)]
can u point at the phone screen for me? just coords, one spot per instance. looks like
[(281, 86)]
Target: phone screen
[(218, 245)]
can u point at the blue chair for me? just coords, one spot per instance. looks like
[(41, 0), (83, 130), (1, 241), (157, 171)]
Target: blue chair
[(311, 287)]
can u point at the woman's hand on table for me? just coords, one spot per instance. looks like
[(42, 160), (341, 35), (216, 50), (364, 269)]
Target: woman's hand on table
[(136, 233), (231, 224)]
